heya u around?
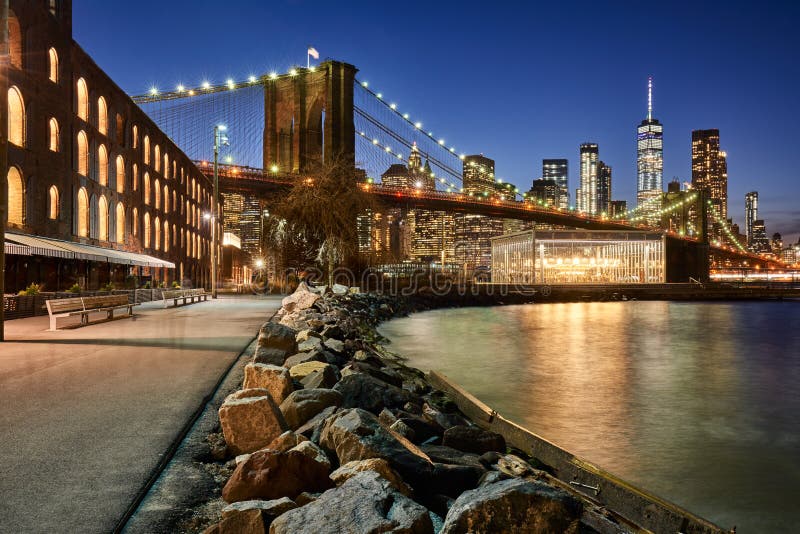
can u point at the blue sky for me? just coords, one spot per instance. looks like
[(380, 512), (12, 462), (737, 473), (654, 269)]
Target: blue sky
[(516, 82)]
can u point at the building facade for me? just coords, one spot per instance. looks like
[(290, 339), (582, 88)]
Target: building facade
[(478, 176), (617, 209), (88, 168), (545, 192), (710, 173), (586, 196), (603, 188), (649, 161), (558, 171), (750, 215)]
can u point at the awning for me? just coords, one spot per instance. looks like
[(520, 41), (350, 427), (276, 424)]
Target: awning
[(56, 248), (17, 250)]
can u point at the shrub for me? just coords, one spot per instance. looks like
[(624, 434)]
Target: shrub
[(175, 284), (108, 287), (31, 290), (74, 289)]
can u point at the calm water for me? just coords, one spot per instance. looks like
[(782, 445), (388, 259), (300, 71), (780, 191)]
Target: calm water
[(696, 402)]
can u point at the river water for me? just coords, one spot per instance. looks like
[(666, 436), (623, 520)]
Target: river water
[(698, 403)]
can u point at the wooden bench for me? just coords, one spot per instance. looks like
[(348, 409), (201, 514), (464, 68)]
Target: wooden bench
[(83, 306), (184, 295)]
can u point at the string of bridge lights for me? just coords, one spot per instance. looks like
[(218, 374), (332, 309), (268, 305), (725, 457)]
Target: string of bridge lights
[(626, 215), (665, 210), (725, 228)]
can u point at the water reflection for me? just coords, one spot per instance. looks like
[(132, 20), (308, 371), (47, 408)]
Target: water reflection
[(698, 402)]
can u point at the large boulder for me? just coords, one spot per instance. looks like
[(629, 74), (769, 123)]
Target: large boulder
[(302, 370), (273, 378), (513, 506), (364, 504), (379, 465), (324, 377), (250, 423), (452, 480), (302, 299), (449, 455), (473, 439), (250, 517), (269, 474), (364, 391), (303, 357), (286, 441), (313, 427), (356, 434), (304, 404), (275, 343)]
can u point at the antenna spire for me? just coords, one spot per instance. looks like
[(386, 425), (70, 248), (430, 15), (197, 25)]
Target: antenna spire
[(649, 97)]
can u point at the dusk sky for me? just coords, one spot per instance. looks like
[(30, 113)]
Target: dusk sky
[(518, 83)]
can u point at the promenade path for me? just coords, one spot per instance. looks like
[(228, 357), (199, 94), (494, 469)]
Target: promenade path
[(87, 413)]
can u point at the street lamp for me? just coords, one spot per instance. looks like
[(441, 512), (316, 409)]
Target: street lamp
[(219, 139)]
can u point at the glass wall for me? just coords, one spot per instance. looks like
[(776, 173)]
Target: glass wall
[(578, 257)]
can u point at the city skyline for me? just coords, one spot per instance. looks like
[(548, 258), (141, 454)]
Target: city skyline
[(743, 90)]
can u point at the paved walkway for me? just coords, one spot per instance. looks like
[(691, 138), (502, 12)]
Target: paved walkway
[(86, 413)]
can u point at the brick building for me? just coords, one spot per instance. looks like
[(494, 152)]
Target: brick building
[(96, 192)]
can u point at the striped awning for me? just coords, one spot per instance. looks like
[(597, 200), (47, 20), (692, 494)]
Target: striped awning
[(56, 248), (15, 249)]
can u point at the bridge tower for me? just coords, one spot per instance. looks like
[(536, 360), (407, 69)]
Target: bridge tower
[(308, 117)]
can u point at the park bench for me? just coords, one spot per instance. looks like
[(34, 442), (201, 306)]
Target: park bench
[(184, 295), (83, 306)]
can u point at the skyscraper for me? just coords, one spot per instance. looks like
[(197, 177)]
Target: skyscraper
[(478, 175), (557, 170), (710, 171), (750, 215), (650, 160), (545, 192), (587, 192), (603, 188), (472, 247)]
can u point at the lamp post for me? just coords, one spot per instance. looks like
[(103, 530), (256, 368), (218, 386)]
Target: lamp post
[(219, 139)]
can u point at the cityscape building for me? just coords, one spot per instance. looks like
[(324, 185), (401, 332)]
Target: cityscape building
[(761, 242), (545, 192), (586, 196), (558, 170), (750, 215), (603, 188), (617, 208), (649, 161), (710, 173)]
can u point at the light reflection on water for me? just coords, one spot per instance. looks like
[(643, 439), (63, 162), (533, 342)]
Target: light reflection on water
[(696, 402)]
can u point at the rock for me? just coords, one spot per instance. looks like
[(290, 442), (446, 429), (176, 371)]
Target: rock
[(516, 467), (321, 378), (273, 378), (304, 335), (310, 344), (302, 299), (489, 459), (513, 506), (423, 430), (387, 417), (384, 374), (444, 420), (249, 521), (247, 393), (272, 508), (304, 404), (241, 458), (303, 357), (217, 446), (335, 345), (313, 451), (339, 289), (356, 434), (364, 391), (332, 330), (269, 356), (250, 423), (402, 429), (364, 504), (305, 498), (473, 439), (379, 465), (490, 477), (278, 337), (269, 474), (313, 427), (302, 370), (286, 441), (449, 455), (452, 480)]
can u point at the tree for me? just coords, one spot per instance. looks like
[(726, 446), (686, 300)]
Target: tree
[(320, 211)]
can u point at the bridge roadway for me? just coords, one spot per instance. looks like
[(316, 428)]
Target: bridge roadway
[(248, 179)]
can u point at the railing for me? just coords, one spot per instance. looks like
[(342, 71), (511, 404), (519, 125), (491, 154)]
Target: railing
[(21, 306)]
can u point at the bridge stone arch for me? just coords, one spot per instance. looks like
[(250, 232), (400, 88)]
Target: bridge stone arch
[(308, 117)]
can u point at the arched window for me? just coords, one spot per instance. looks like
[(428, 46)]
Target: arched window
[(166, 236), (120, 223), (147, 188), (157, 158), (83, 213), (16, 117), (157, 191), (146, 148), (14, 41), (193, 190), (146, 230), (120, 175), (102, 218), (135, 177), (102, 165), (54, 144), (135, 222), (53, 63), (119, 130), (83, 154), (16, 196), (175, 236), (83, 100), (188, 213), (166, 165), (53, 206), (166, 199), (102, 115), (135, 135), (157, 230), (175, 205)]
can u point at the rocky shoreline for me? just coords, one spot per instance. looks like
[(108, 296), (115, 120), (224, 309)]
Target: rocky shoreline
[(331, 432)]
